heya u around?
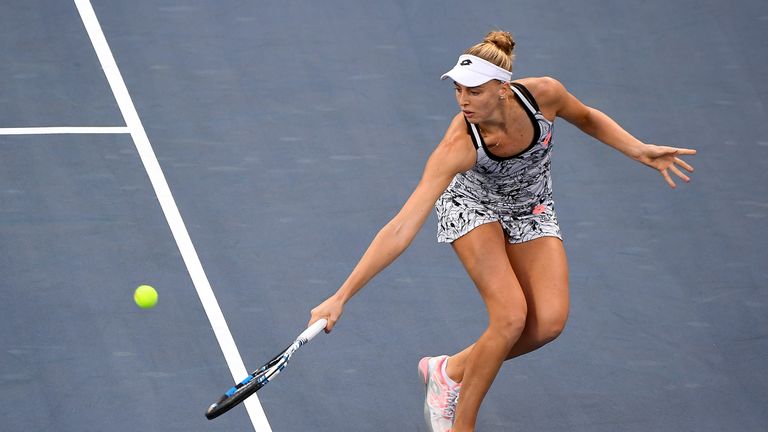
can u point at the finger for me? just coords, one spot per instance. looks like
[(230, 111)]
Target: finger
[(330, 325), (684, 164), (685, 151), (663, 150), (679, 174), (668, 179), (314, 317)]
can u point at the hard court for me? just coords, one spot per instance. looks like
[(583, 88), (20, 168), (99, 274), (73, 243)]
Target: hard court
[(240, 155)]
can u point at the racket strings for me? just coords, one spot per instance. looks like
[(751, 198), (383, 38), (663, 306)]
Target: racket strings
[(263, 375), (277, 367)]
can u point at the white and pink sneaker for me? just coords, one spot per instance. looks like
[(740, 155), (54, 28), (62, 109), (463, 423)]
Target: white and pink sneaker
[(442, 394)]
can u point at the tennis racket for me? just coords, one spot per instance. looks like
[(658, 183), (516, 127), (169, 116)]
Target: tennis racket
[(263, 375)]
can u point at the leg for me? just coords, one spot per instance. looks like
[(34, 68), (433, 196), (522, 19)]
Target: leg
[(541, 267), (483, 253)]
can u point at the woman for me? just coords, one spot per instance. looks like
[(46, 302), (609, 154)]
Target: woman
[(489, 180)]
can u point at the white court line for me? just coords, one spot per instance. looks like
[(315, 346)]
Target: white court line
[(172, 215), (64, 130)]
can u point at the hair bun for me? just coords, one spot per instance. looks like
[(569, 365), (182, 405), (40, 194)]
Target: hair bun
[(503, 40)]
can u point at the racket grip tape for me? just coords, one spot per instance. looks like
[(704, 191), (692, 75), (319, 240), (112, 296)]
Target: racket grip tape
[(313, 330)]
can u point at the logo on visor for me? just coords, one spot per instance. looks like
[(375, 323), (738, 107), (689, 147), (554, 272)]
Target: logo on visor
[(466, 62)]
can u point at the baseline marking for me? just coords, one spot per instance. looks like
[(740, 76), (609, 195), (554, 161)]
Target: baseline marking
[(63, 130), (171, 211)]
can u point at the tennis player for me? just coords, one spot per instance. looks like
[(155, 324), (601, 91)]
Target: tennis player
[(489, 181)]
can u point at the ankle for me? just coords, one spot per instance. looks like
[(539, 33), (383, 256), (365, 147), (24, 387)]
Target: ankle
[(453, 370), (462, 426)]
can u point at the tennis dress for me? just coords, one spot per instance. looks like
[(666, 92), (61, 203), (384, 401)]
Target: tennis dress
[(516, 191)]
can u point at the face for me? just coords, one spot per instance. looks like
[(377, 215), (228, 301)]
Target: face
[(479, 103)]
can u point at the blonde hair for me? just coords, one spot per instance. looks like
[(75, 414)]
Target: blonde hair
[(497, 47)]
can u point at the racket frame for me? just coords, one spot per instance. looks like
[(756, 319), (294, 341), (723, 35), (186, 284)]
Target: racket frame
[(263, 375)]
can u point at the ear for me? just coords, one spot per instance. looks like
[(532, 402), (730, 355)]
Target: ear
[(504, 90)]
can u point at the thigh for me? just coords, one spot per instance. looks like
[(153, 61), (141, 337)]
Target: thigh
[(541, 267), (483, 253)]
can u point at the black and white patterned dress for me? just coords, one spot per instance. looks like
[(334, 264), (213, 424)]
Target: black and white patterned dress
[(515, 191)]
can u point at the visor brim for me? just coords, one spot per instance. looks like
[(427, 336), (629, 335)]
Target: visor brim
[(466, 77)]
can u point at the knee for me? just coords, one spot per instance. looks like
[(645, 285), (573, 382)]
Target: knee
[(510, 324), (549, 327), (550, 332)]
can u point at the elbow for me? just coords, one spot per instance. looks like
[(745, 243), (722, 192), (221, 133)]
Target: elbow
[(399, 233), (586, 123)]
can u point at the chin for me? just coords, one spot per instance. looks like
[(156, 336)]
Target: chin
[(473, 118)]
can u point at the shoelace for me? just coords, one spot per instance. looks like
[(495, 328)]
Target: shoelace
[(452, 400)]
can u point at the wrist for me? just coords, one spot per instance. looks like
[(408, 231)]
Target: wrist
[(341, 296), (636, 151)]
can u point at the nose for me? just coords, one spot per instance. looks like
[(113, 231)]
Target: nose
[(462, 99)]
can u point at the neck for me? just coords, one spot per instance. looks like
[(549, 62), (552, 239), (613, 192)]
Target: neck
[(499, 120)]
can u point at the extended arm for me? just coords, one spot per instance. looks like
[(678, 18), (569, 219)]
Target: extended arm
[(600, 126), (453, 155)]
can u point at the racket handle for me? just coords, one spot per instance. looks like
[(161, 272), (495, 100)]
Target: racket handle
[(313, 330)]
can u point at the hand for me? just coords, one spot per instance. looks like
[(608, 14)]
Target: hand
[(666, 159), (331, 309)]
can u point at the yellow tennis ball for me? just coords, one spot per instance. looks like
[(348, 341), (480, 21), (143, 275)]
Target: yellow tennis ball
[(145, 297)]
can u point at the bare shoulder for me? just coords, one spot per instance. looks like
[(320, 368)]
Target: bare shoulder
[(543, 88), (554, 99), (547, 91), (456, 150), (456, 134)]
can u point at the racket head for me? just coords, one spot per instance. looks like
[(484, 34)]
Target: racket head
[(250, 385), (235, 395), (262, 376)]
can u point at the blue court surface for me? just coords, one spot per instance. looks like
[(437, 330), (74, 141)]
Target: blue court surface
[(288, 133)]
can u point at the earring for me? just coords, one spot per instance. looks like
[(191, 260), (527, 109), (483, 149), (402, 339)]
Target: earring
[(502, 97)]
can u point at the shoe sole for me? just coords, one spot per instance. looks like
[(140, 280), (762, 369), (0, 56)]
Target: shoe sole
[(423, 372)]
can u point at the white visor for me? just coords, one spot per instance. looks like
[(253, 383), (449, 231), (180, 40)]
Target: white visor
[(472, 71)]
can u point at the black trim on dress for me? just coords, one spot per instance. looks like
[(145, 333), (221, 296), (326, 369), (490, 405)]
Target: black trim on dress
[(471, 134)]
